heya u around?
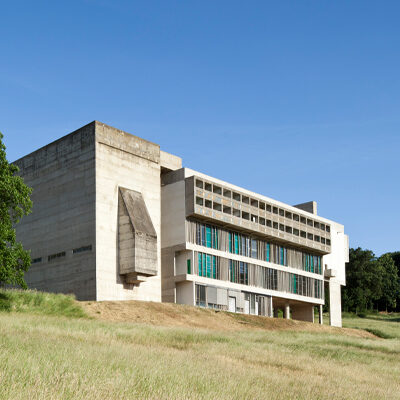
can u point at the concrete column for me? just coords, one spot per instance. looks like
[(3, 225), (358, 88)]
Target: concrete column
[(271, 308), (335, 304), (286, 312), (320, 316)]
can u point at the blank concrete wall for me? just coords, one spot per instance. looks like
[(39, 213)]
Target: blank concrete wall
[(62, 175)]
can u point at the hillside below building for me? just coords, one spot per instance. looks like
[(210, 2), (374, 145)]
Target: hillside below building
[(116, 218)]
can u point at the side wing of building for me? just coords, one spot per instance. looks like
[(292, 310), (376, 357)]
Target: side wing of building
[(228, 248)]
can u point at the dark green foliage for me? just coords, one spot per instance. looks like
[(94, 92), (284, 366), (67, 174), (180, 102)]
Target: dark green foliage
[(396, 258), (390, 283), (371, 282), (14, 204), (40, 303)]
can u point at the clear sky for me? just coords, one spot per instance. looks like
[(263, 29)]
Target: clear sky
[(296, 100)]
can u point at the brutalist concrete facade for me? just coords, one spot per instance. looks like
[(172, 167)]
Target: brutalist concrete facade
[(116, 218), (82, 231)]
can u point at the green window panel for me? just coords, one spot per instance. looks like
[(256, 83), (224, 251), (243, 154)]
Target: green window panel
[(236, 243), (189, 267), (208, 265), (200, 264), (230, 242), (214, 270), (208, 236), (268, 252), (215, 244)]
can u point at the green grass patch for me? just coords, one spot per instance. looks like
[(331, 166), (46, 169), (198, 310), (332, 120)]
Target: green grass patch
[(30, 301)]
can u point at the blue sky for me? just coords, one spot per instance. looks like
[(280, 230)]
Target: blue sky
[(295, 100)]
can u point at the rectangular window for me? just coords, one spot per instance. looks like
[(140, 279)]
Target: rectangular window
[(189, 268), (208, 265), (236, 237), (267, 252), (200, 264), (231, 271), (203, 235), (82, 249), (214, 270), (243, 273), (254, 253), (54, 256), (208, 236), (200, 295)]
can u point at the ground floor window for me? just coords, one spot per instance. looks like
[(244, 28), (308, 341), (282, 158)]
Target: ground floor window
[(201, 295)]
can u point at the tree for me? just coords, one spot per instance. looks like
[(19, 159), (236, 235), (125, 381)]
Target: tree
[(364, 281), (396, 258), (15, 202), (390, 283)]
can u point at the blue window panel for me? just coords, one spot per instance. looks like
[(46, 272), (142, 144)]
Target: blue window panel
[(254, 252), (242, 245), (230, 242), (203, 235), (281, 260)]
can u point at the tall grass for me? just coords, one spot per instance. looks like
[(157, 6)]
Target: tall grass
[(30, 301), (49, 357)]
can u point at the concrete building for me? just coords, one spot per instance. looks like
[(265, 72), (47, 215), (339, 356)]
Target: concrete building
[(116, 218)]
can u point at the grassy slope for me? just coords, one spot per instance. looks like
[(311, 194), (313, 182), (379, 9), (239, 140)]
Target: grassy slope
[(60, 357)]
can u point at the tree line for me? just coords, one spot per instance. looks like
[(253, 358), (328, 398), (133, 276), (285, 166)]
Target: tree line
[(372, 283)]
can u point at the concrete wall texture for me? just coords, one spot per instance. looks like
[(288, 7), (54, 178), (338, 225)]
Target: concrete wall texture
[(110, 222)]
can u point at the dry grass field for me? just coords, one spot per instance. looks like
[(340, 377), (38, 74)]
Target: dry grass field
[(52, 348)]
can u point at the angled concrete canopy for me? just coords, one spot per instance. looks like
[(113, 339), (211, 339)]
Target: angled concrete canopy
[(137, 238)]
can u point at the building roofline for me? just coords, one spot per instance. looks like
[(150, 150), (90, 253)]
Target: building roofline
[(250, 193), (94, 124)]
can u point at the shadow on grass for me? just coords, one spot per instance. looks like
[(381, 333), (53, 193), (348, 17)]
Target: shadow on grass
[(5, 302), (379, 333), (386, 319)]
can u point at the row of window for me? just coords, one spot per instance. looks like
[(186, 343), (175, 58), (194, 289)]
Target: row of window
[(241, 198), (254, 304), (233, 242), (214, 267), (263, 221), (56, 256)]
